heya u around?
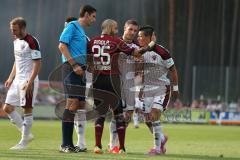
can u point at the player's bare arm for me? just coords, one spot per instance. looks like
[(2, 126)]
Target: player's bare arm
[(174, 79), (64, 50), (9, 81)]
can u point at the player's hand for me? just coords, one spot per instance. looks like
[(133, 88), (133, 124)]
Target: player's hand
[(8, 83), (136, 54), (28, 89), (90, 68), (78, 70), (142, 50)]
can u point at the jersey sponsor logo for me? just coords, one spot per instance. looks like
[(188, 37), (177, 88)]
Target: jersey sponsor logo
[(154, 57), (36, 54), (170, 61), (102, 67)]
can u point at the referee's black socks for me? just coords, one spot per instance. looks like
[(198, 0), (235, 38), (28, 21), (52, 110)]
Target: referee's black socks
[(67, 128)]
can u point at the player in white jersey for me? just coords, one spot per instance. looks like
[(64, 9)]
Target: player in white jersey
[(23, 80), (157, 65), (127, 68)]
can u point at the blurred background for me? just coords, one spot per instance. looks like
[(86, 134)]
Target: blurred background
[(202, 36)]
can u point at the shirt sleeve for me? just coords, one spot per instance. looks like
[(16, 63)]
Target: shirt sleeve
[(67, 34), (123, 47), (168, 62), (167, 59), (35, 48)]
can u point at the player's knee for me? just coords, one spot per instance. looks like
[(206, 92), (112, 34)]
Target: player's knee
[(72, 104), (100, 121), (82, 104), (8, 108), (27, 110), (154, 117), (155, 114)]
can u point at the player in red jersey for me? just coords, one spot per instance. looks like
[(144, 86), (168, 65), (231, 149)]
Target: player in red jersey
[(104, 51)]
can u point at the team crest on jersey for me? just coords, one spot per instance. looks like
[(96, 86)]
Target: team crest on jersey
[(154, 57)]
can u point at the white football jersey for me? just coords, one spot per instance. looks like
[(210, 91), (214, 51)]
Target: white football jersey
[(126, 64), (25, 50), (156, 64)]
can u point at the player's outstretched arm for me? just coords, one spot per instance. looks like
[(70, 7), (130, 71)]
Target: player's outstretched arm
[(9, 81)]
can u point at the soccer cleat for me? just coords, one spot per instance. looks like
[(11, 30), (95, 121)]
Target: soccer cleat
[(78, 149), (114, 150), (67, 149), (19, 146), (30, 138), (23, 143), (163, 148), (97, 150), (122, 151), (154, 152)]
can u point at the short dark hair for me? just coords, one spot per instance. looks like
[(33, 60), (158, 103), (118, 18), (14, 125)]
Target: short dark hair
[(147, 30), (20, 21), (86, 8), (131, 21), (70, 19)]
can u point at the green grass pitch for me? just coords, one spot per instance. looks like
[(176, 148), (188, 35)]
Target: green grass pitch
[(188, 142)]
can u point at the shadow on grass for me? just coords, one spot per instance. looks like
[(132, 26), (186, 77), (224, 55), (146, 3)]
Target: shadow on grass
[(185, 156), (54, 154)]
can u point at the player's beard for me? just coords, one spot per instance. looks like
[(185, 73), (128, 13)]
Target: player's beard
[(128, 39), (21, 35)]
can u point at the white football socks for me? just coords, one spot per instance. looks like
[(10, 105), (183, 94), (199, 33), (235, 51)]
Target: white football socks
[(80, 124), (16, 119), (27, 125), (157, 132), (113, 134)]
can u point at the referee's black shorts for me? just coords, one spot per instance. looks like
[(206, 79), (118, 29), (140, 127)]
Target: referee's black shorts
[(74, 85), (109, 83)]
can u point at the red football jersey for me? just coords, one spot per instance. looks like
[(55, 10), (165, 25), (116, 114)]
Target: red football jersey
[(105, 50)]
